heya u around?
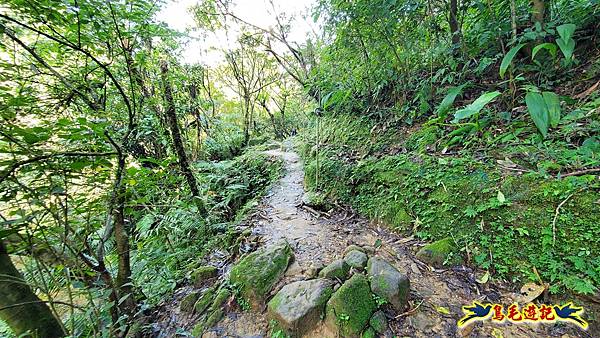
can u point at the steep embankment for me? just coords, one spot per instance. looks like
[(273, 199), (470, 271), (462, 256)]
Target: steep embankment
[(316, 239), (507, 216)]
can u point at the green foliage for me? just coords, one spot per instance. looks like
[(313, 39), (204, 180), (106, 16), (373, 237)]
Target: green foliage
[(507, 60), (448, 101), (566, 42), (475, 107), (550, 47), (544, 110), (477, 203)]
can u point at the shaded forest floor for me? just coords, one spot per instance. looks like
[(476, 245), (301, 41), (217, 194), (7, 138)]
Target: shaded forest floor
[(318, 238)]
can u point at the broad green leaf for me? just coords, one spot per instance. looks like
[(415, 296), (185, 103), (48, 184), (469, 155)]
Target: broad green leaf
[(506, 61), (448, 101), (550, 47), (566, 47), (538, 111), (553, 105), (501, 197), (566, 31), (475, 107)]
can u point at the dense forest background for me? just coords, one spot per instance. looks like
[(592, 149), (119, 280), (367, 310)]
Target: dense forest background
[(121, 165)]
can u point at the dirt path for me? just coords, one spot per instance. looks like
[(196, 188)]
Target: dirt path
[(436, 295)]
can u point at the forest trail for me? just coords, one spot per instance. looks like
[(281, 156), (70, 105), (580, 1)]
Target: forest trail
[(436, 297)]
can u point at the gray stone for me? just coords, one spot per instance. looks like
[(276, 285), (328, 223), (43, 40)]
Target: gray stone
[(440, 253), (353, 247), (257, 273), (349, 309), (387, 282), (379, 322), (187, 302), (356, 259), (204, 301), (204, 273), (298, 306), (336, 270)]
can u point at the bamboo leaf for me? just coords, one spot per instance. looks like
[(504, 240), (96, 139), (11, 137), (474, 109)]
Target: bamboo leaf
[(506, 61), (475, 107), (553, 105), (538, 111)]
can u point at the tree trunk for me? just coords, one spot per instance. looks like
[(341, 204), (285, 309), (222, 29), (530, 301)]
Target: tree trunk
[(453, 22), (175, 132), (33, 315), (539, 12), (123, 281)]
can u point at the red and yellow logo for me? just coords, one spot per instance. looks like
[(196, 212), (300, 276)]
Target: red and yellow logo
[(531, 313)]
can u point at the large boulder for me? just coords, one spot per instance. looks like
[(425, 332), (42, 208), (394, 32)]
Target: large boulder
[(204, 301), (440, 252), (256, 274), (388, 283), (336, 270), (203, 273), (350, 308), (187, 302), (356, 259), (298, 306)]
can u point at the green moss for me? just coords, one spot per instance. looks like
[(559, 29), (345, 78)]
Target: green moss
[(422, 137), (213, 318), (203, 273), (350, 307), (439, 196), (187, 302), (379, 322), (338, 269), (369, 333), (204, 301), (256, 274), (220, 298), (440, 253)]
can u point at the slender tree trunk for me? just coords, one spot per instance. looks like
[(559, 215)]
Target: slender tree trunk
[(123, 281), (33, 315), (539, 11), (453, 22), (175, 132)]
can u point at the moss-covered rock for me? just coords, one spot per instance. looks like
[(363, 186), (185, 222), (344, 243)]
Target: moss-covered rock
[(350, 307), (256, 274), (201, 274), (222, 295), (356, 259), (298, 306), (198, 330), (387, 282), (213, 318), (187, 303), (204, 301), (352, 247), (440, 252), (369, 333), (338, 269), (379, 322)]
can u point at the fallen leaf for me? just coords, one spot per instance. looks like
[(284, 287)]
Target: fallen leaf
[(442, 310), (484, 279), (530, 292), (501, 197), (588, 92)]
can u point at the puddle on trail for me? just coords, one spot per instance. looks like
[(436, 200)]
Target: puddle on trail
[(437, 296)]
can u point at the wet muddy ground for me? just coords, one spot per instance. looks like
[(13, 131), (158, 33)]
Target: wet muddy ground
[(437, 296)]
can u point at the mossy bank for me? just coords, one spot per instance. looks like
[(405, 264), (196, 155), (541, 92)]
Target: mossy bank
[(505, 221)]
